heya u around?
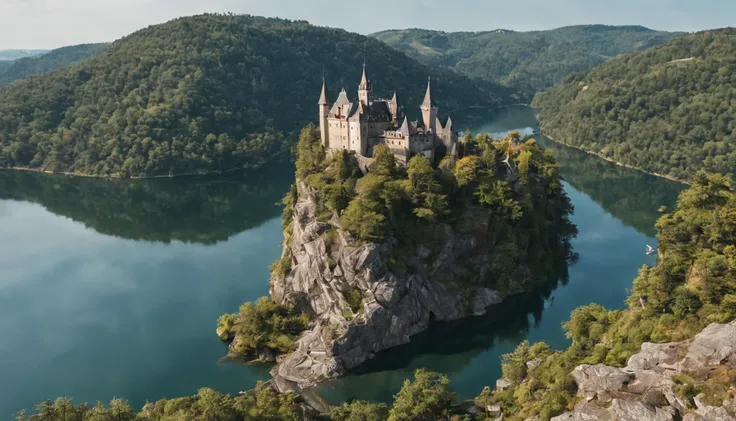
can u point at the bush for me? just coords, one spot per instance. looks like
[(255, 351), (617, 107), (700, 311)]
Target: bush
[(267, 325), (428, 397)]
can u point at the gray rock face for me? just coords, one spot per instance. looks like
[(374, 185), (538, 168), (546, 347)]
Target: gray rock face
[(715, 345), (503, 383), (326, 263), (644, 389), (594, 381)]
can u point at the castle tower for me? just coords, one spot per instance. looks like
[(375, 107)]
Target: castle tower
[(394, 109), (429, 111), (324, 109), (364, 89)]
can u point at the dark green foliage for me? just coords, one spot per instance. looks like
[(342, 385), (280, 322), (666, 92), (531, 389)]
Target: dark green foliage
[(429, 202), (4, 65), (384, 162), (428, 397), (260, 404), (668, 110), (309, 152), (202, 93), (526, 61), (693, 285), (359, 411), (354, 299), (56, 59), (263, 326), (514, 366)]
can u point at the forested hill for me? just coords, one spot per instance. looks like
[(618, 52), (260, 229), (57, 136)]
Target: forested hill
[(527, 61), (45, 63), (208, 92), (669, 110)]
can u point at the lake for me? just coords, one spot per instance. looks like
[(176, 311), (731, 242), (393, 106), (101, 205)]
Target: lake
[(113, 288)]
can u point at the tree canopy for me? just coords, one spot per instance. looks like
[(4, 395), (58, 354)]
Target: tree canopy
[(693, 285), (526, 61), (668, 110), (203, 93)]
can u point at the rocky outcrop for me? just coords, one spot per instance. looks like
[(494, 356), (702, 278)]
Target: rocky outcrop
[(360, 302), (647, 388)]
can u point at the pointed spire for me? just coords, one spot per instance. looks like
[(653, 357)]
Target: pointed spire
[(364, 79), (448, 124), (323, 96), (405, 128), (428, 96)]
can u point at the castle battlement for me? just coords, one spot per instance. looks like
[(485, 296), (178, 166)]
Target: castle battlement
[(360, 125)]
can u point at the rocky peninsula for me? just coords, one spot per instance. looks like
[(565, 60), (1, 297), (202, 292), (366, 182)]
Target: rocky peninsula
[(373, 258)]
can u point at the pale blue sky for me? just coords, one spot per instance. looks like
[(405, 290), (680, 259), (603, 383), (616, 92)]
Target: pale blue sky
[(54, 23)]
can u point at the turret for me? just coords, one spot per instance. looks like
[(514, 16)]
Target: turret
[(324, 109), (394, 108), (429, 111), (364, 89)]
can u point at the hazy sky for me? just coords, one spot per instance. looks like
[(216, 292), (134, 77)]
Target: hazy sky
[(54, 23)]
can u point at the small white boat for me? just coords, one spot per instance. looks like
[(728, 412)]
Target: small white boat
[(650, 250)]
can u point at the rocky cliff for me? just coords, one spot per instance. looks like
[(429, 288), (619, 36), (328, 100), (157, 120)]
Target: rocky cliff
[(360, 302), (694, 380)]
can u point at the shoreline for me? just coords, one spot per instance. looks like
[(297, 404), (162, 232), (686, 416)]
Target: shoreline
[(148, 177), (620, 164)]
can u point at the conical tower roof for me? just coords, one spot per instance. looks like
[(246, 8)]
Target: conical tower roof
[(428, 96), (364, 79), (323, 100), (405, 128)]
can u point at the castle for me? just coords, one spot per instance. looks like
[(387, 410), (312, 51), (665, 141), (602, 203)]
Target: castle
[(359, 126)]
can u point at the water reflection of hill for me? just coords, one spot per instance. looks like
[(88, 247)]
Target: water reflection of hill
[(203, 209), (631, 196), (447, 347)]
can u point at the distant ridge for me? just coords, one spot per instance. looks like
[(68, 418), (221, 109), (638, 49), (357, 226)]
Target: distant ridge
[(10, 55), (203, 94), (528, 61), (48, 62), (667, 110)]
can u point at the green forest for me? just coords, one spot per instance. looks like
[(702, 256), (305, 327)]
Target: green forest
[(669, 110), (526, 61), (203, 93), (693, 285), (45, 63)]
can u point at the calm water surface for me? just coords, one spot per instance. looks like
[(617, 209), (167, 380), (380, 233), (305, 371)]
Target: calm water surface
[(113, 288)]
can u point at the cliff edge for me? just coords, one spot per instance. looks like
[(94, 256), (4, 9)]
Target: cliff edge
[(693, 380), (359, 304)]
